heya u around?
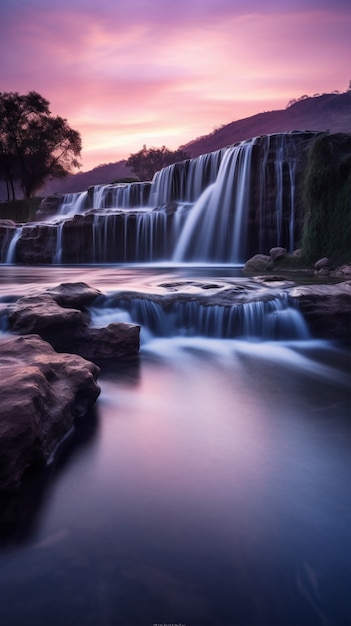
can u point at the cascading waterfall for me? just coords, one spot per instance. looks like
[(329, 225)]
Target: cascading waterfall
[(221, 207), (274, 319), (216, 226)]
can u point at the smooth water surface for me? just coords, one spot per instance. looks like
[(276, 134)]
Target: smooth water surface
[(211, 486)]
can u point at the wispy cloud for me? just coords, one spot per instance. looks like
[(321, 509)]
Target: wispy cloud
[(137, 71)]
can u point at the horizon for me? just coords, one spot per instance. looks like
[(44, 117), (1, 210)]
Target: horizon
[(143, 72)]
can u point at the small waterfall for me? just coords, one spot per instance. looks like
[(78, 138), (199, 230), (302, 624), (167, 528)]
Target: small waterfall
[(58, 254), (11, 252), (73, 203), (277, 318)]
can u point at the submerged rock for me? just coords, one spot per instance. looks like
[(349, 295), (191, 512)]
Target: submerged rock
[(41, 394)]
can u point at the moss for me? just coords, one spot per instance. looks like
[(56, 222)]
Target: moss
[(20, 210), (326, 197)]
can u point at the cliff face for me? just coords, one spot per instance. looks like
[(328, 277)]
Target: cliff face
[(222, 207)]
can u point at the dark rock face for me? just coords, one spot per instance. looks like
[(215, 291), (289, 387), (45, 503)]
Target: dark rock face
[(49, 206), (41, 393), (326, 308)]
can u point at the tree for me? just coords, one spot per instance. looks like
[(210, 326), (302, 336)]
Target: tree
[(34, 145), (148, 161)]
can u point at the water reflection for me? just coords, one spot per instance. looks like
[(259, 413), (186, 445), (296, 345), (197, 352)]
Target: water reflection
[(212, 487)]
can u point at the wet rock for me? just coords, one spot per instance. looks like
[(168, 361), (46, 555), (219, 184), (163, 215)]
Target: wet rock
[(67, 329), (114, 341), (42, 315), (41, 394), (76, 295), (277, 253), (258, 263), (326, 308), (344, 271), (49, 206), (321, 264)]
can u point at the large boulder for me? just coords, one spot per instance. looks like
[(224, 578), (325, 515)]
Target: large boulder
[(41, 394)]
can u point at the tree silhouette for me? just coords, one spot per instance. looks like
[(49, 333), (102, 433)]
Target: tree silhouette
[(148, 161), (34, 145)]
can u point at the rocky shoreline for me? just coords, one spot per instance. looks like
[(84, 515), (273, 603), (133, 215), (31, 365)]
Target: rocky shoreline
[(48, 378), (51, 354)]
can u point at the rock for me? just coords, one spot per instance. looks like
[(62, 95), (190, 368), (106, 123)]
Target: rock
[(42, 315), (298, 253), (67, 329), (258, 263), (277, 253), (344, 271), (114, 341), (49, 206), (76, 295), (41, 394), (321, 264), (326, 308)]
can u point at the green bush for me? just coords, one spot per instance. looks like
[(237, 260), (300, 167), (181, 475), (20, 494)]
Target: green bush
[(20, 210), (326, 197)]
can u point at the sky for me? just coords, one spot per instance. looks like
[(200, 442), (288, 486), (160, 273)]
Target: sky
[(125, 73)]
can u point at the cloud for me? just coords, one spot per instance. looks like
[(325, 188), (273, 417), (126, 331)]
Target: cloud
[(137, 71)]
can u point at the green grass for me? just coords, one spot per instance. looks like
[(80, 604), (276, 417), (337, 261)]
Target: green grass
[(19, 210)]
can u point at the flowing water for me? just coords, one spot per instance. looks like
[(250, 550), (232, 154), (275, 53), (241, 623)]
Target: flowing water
[(211, 484), (221, 207)]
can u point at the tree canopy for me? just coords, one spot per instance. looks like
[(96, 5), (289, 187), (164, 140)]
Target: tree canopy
[(148, 161), (34, 145)]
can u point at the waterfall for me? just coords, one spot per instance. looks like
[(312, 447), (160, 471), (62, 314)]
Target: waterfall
[(220, 207), (11, 252), (216, 226), (276, 318)]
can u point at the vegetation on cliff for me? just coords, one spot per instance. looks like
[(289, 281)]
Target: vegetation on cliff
[(326, 197), (148, 161)]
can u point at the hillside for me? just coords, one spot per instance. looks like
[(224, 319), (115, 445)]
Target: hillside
[(326, 112)]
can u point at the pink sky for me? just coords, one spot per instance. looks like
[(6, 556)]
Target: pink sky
[(159, 72)]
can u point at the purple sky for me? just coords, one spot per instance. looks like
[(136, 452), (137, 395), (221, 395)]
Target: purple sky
[(129, 72)]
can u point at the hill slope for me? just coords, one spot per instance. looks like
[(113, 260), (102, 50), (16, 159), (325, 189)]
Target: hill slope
[(327, 112)]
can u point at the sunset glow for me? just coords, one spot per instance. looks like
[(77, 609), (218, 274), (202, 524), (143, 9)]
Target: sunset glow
[(131, 72)]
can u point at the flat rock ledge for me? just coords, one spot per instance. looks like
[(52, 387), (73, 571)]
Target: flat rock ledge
[(59, 317), (41, 394), (326, 308)]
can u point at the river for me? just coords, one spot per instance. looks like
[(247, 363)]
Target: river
[(210, 486)]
